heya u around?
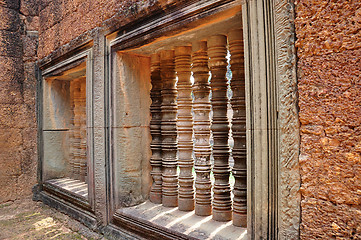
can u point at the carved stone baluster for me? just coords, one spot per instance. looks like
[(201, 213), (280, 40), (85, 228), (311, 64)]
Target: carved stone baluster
[(71, 134), (76, 131), (201, 127), (169, 129), (82, 129), (236, 48), (222, 204), (155, 130), (184, 128)]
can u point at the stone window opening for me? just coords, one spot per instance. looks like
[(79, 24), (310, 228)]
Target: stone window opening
[(65, 136), (118, 120), (185, 118)]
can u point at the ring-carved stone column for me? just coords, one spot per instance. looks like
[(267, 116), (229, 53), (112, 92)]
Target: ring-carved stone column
[(155, 129), (201, 127), (76, 130), (72, 134), (238, 101), (79, 131), (184, 128), (222, 204), (169, 130), (82, 123)]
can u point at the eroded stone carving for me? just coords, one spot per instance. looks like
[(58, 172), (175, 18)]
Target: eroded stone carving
[(289, 197)]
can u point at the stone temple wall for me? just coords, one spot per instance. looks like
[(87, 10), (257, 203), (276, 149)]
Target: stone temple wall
[(329, 75), (18, 128), (329, 70), (64, 20)]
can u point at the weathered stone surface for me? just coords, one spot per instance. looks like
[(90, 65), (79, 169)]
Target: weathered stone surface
[(327, 26), (56, 154), (8, 186), (130, 92), (132, 177), (29, 86), (10, 66), (10, 139), (11, 79), (9, 19), (30, 43), (30, 7), (11, 168), (73, 18), (48, 40), (29, 153), (330, 106), (50, 15), (13, 4), (31, 23), (11, 93), (130, 130), (329, 70), (10, 44), (333, 221), (18, 138), (56, 105), (16, 116)]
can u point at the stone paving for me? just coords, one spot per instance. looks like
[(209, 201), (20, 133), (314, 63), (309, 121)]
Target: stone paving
[(31, 220)]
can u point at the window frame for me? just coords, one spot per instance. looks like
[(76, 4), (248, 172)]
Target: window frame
[(272, 112), (76, 207)]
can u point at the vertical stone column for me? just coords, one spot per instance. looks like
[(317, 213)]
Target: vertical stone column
[(236, 48), (78, 133), (222, 204), (169, 129), (76, 130), (82, 128), (184, 128), (201, 127), (155, 129), (72, 139)]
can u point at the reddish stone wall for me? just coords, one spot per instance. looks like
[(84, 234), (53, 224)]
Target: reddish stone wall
[(329, 74), (18, 129), (64, 20)]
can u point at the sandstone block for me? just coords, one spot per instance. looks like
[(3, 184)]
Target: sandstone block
[(50, 15), (56, 154), (30, 7), (10, 164), (13, 4), (16, 116), (9, 188), (324, 27), (10, 139), (326, 220), (32, 23), (30, 47), (9, 19), (10, 44)]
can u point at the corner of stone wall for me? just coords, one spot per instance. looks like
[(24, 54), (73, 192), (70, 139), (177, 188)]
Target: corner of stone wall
[(18, 127)]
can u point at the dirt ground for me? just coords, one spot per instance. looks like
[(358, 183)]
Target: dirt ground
[(31, 220)]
